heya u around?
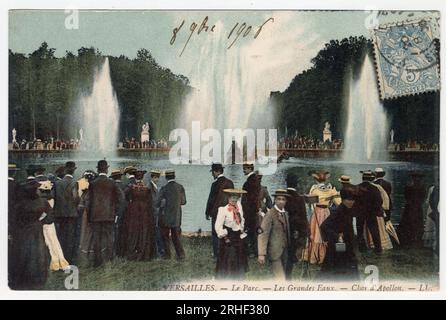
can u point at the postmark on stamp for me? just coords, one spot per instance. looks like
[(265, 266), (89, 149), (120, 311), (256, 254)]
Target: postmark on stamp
[(406, 58)]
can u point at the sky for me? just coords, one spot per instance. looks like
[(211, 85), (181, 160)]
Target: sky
[(288, 43)]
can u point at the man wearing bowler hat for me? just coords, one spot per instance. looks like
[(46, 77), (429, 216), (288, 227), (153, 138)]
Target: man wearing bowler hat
[(368, 207), (116, 176), (387, 186), (66, 200), (154, 180), (103, 206), (217, 198), (251, 205), (171, 197)]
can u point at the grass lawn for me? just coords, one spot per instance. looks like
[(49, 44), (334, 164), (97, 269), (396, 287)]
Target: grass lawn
[(397, 264)]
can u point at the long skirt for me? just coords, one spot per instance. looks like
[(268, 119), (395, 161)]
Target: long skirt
[(316, 248), (31, 258), (138, 240), (58, 261), (384, 237), (232, 262)]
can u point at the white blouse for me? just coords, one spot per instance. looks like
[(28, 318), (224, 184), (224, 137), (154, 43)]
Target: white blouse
[(226, 218)]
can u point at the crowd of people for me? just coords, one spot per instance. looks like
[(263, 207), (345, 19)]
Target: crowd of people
[(304, 142), (56, 221), (51, 144), (132, 143)]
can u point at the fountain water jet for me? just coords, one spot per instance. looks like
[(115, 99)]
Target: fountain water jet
[(367, 126), (100, 114)]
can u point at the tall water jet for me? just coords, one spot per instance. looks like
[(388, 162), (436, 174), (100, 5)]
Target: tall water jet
[(100, 114), (367, 126)]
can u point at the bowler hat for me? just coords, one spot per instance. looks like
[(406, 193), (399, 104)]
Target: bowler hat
[(70, 165), (102, 164), (217, 167)]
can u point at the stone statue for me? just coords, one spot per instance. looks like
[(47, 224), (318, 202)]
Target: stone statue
[(392, 134), (81, 134), (327, 126), (145, 136), (327, 132), (14, 135)]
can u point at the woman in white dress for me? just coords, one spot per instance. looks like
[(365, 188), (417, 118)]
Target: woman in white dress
[(232, 260)]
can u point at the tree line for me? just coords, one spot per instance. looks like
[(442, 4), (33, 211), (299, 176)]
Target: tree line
[(317, 95), (44, 90)]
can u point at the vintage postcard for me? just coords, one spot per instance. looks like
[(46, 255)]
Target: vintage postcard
[(293, 151)]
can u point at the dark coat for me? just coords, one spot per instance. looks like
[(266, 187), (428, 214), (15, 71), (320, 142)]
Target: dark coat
[(387, 186), (412, 220), (369, 202), (339, 221), (13, 198), (217, 198), (297, 213), (66, 198), (103, 203), (30, 253), (122, 203), (138, 236), (171, 197), (251, 201)]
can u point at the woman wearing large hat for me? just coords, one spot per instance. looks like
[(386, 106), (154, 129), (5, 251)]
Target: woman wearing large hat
[(138, 240), (232, 260), (326, 195)]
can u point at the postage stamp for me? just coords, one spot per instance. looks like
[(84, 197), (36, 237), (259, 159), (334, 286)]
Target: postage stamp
[(406, 58)]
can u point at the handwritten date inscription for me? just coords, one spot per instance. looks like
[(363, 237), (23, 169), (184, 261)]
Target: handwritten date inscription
[(239, 31)]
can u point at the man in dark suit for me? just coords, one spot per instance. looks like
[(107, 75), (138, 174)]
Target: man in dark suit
[(217, 198), (251, 206), (368, 207), (171, 197), (66, 200), (122, 206), (299, 229), (103, 206), (338, 227), (387, 186)]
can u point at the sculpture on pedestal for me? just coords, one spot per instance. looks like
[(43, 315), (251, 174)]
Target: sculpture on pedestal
[(327, 132), (145, 136)]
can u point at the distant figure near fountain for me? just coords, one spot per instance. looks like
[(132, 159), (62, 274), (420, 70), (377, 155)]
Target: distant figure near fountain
[(100, 114), (326, 133), (366, 136), (392, 134), (14, 135)]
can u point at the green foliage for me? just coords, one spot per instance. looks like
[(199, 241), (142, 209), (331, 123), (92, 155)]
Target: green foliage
[(317, 95), (44, 90)]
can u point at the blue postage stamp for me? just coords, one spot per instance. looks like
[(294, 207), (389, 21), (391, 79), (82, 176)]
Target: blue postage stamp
[(406, 58)]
